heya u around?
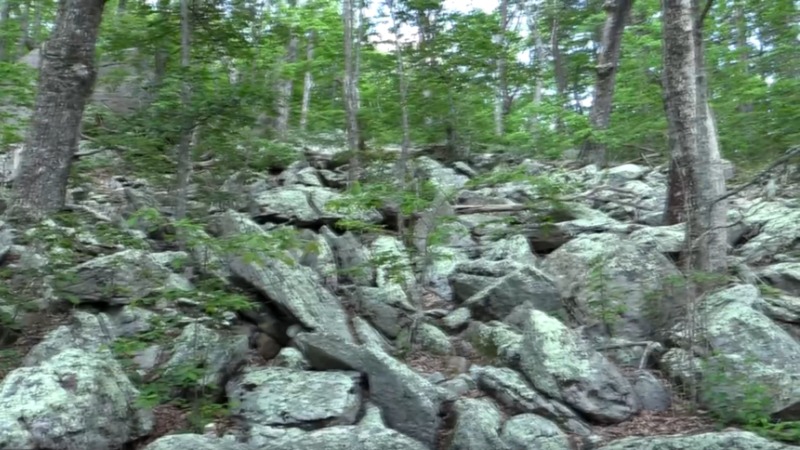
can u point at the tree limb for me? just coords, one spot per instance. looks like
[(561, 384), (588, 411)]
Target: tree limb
[(703, 14)]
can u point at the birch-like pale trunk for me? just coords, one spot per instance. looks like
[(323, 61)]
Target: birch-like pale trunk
[(284, 94), (285, 84), (405, 146), (308, 84), (696, 164), (66, 80), (617, 11), (712, 250), (350, 87)]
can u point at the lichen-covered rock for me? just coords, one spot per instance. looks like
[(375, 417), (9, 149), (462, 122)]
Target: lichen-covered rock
[(730, 440), (564, 367), (304, 205), (387, 307), (613, 281), (751, 354), (784, 276), (120, 278), (478, 424), (218, 355), (513, 392), (409, 402), (295, 288), (75, 399), (195, 442), (776, 225), (532, 432), (525, 286), (277, 396)]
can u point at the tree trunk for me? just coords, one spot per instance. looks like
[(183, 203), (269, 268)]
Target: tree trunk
[(712, 250), (24, 27), (286, 84), (405, 146), (185, 143), (501, 89), (66, 81), (308, 84), (617, 11), (537, 55), (696, 163), (560, 70), (350, 87)]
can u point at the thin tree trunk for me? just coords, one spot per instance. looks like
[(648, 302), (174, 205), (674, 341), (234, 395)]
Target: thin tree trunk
[(680, 96), (308, 84), (24, 25), (696, 162), (501, 89), (537, 58), (405, 146), (66, 81), (187, 125), (617, 11), (285, 86), (712, 250), (350, 88), (560, 71)]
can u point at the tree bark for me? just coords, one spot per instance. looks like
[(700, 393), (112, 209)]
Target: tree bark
[(696, 164), (560, 71), (617, 11), (66, 81), (405, 146), (537, 55), (185, 143), (712, 248), (24, 26), (501, 89), (285, 85), (350, 87), (308, 84)]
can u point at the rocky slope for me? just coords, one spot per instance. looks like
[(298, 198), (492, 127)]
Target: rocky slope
[(530, 324)]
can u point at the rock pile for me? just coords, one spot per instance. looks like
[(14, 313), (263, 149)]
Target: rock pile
[(532, 324)]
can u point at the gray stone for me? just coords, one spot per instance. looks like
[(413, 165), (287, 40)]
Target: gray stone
[(532, 432), (295, 288), (75, 399), (478, 424), (562, 366), (277, 396)]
